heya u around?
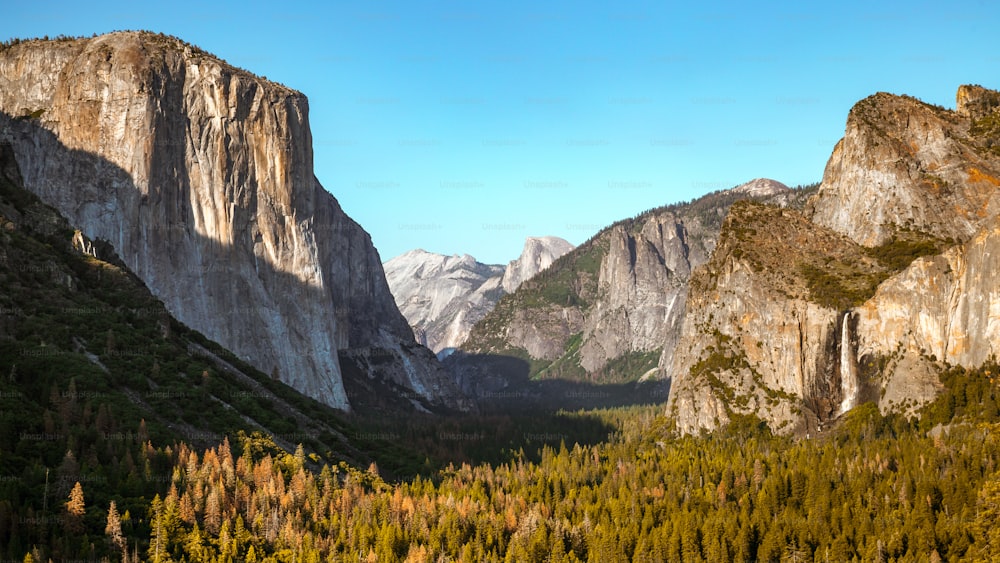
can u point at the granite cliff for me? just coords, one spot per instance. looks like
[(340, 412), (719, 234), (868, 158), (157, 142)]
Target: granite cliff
[(888, 273), (538, 253), (905, 163), (442, 297), (611, 310), (764, 326), (200, 176)]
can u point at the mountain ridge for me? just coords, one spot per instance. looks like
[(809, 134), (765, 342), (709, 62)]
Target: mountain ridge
[(442, 296), (616, 299)]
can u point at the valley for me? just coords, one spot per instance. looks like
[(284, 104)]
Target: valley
[(204, 358)]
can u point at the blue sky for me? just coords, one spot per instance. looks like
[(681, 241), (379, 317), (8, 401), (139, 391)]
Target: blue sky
[(463, 127)]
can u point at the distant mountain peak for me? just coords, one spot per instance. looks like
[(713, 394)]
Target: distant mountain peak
[(442, 297), (538, 253), (759, 187)]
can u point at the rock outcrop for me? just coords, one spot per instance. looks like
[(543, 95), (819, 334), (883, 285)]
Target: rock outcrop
[(611, 310), (904, 163), (442, 297), (200, 175), (942, 308), (763, 333), (538, 253), (796, 319)]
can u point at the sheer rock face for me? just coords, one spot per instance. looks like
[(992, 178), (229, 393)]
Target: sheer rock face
[(946, 305), (442, 297), (754, 341), (538, 253), (906, 163), (201, 177), (622, 294), (757, 337), (643, 286), (643, 282), (942, 308)]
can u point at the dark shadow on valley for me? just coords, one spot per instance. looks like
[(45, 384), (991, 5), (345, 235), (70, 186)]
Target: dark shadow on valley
[(518, 417), (503, 384)]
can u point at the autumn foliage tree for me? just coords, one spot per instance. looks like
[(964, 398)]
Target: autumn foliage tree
[(75, 509)]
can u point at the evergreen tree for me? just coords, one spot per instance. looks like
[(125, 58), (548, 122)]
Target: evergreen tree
[(159, 539), (75, 509), (987, 523), (113, 529)]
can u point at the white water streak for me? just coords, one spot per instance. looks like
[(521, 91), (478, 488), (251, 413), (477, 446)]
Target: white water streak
[(848, 371)]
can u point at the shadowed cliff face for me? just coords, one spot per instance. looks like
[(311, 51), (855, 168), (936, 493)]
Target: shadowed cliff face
[(200, 176)]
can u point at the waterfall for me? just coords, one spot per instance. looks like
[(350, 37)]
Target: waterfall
[(848, 372)]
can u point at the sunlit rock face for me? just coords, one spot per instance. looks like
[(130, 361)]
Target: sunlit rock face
[(618, 299), (538, 253), (201, 177), (759, 339), (442, 297), (754, 339), (904, 163)]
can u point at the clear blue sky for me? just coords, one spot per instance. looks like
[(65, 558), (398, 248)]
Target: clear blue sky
[(465, 126)]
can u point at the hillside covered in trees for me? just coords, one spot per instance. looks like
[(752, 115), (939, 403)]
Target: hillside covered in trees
[(128, 436), (875, 488)]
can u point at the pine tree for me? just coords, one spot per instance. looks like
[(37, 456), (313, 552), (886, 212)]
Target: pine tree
[(194, 545), (300, 458), (158, 535), (73, 517), (68, 472), (185, 509), (213, 513), (987, 523), (113, 529)]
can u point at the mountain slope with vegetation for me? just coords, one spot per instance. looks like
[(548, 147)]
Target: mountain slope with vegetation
[(99, 383), (609, 311)]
